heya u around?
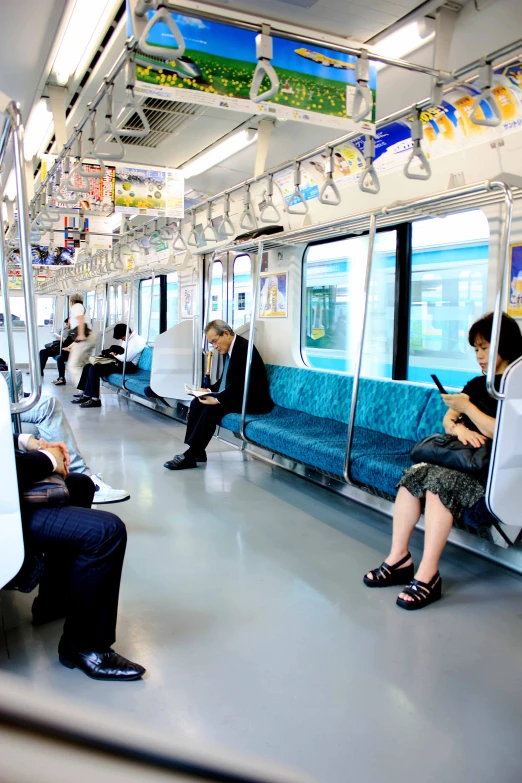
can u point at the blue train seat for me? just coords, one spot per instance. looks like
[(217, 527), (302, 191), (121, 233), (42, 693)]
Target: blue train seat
[(138, 382)]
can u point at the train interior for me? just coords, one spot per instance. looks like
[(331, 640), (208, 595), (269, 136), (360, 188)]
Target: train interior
[(341, 183)]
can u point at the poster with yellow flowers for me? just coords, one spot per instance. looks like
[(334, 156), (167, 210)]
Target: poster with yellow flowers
[(143, 190), (213, 64)]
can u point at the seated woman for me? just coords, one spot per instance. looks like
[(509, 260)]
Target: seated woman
[(446, 493)]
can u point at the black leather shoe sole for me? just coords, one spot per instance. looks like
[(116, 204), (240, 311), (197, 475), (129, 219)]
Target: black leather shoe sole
[(184, 465)]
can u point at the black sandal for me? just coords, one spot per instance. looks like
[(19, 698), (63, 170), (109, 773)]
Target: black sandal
[(60, 382), (423, 593), (391, 575)]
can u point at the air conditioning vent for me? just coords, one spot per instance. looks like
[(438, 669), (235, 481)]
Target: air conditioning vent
[(166, 118)]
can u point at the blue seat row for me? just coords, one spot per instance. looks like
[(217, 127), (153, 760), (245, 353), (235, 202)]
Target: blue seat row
[(310, 417), (138, 382)]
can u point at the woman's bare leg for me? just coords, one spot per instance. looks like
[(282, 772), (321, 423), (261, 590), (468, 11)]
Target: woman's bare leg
[(438, 523), (406, 513)]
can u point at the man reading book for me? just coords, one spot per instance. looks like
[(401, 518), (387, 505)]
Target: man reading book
[(224, 396)]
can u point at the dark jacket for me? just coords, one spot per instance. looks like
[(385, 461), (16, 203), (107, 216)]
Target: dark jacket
[(231, 398), (31, 467)]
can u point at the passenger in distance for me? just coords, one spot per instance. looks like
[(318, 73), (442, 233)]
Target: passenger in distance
[(84, 339), (225, 396), (83, 558), (89, 384), (445, 493), (53, 350)]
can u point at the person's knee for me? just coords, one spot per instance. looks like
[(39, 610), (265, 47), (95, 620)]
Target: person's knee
[(107, 532)]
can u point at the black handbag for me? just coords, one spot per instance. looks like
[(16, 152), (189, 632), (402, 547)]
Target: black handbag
[(448, 452), (51, 491), (53, 348)]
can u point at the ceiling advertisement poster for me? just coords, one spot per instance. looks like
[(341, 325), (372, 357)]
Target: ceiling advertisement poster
[(216, 68), (145, 190), (98, 197)]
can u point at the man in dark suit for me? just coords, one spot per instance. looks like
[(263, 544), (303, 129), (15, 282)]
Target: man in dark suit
[(225, 396), (83, 557)]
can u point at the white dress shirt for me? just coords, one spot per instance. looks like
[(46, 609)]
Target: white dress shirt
[(23, 440)]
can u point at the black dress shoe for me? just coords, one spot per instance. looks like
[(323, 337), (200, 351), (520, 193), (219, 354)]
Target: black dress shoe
[(45, 614), (78, 400), (202, 457), (180, 462), (90, 403), (106, 665)]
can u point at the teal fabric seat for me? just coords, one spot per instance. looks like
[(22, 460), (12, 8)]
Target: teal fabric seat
[(138, 382), (310, 417)]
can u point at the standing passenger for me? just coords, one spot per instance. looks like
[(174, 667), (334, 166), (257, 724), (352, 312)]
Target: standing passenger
[(84, 342), (225, 396)]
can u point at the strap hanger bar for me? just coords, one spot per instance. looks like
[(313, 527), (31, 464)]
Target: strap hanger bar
[(417, 153), (301, 208), (329, 181)]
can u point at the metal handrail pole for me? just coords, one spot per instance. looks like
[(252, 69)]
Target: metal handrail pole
[(152, 281), (497, 310), (4, 282), (256, 277), (105, 313), (13, 111), (360, 348), (207, 303), (129, 316)]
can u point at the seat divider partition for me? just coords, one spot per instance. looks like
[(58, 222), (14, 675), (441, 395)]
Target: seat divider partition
[(360, 348)]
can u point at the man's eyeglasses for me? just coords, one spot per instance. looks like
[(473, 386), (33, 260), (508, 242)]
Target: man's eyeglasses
[(214, 340)]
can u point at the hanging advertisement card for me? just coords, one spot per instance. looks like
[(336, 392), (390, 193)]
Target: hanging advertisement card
[(46, 256), (515, 281), (97, 200), (316, 84), (143, 190), (188, 301), (274, 295)]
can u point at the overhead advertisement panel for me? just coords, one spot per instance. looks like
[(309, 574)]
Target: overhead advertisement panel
[(145, 190), (316, 84)]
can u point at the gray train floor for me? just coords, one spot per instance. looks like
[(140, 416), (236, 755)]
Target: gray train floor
[(242, 594)]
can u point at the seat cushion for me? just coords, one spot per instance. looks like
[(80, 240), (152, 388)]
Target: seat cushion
[(232, 421), (145, 360), (138, 382), (392, 407), (431, 419), (382, 471)]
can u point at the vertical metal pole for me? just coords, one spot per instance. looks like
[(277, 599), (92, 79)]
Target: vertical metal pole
[(105, 308), (129, 316), (13, 111), (207, 303), (360, 348), (256, 272), (4, 282), (497, 310), (152, 280)]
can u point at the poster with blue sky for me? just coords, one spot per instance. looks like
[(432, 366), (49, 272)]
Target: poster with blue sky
[(218, 63)]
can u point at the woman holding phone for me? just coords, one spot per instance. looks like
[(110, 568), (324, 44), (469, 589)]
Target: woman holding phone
[(445, 493)]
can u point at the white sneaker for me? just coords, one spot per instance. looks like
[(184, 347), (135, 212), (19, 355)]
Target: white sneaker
[(106, 494)]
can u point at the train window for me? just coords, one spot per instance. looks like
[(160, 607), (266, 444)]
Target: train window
[(448, 293), (45, 310), (89, 302), (242, 281), (147, 294), (172, 299), (333, 281), (115, 303), (17, 307), (216, 293)]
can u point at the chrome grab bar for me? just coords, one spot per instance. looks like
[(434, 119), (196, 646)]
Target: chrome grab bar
[(497, 309), (105, 312), (17, 130), (4, 282), (256, 277), (360, 348), (129, 316), (152, 281)]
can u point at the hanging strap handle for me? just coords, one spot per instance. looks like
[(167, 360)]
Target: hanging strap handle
[(369, 182), (109, 132), (486, 96), (143, 29), (64, 187), (226, 228), (264, 53), (178, 238), (363, 98), (214, 236), (247, 220), (329, 181), (417, 153), (301, 208), (269, 203), (84, 186), (193, 236), (91, 154), (132, 106)]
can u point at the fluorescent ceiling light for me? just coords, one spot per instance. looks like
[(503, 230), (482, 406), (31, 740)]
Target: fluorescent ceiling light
[(38, 129), (402, 42), (220, 152), (88, 17)]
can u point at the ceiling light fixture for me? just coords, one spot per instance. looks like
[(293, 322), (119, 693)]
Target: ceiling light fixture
[(404, 41), (38, 129), (86, 21), (220, 152)]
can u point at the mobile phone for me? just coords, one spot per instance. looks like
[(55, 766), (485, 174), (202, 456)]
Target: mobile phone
[(439, 385)]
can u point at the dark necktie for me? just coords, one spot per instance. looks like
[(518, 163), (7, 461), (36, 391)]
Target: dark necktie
[(223, 381)]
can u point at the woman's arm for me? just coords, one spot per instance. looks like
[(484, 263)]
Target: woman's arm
[(460, 403)]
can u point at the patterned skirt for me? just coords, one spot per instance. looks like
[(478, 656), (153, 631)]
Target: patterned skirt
[(457, 491)]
